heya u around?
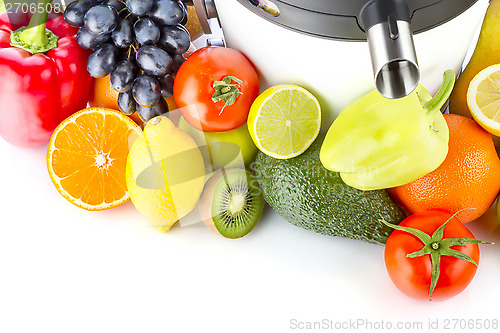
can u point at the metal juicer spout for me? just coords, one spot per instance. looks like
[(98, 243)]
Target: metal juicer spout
[(390, 40)]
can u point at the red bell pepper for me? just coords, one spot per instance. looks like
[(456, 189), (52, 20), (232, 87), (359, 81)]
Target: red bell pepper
[(43, 78)]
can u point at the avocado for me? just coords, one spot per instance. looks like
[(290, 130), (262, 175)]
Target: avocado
[(308, 195)]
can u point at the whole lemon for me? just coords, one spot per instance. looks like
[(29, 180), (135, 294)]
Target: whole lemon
[(165, 173)]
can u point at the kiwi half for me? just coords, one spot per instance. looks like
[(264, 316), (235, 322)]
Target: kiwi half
[(231, 203)]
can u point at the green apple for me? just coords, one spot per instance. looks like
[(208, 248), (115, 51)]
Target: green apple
[(231, 149)]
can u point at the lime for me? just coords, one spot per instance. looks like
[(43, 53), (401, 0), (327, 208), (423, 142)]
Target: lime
[(483, 98), (284, 121)]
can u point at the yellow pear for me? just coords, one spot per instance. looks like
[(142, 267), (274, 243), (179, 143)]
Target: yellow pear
[(486, 53)]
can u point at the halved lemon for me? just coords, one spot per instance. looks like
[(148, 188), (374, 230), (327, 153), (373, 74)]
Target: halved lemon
[(284, 121), (483, 98)]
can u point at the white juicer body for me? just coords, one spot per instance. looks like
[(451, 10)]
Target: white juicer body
[(338, 72)]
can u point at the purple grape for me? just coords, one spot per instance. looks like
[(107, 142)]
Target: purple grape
[(154, 61), (146, 90)]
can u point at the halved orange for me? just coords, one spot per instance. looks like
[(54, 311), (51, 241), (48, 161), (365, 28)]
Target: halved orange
[(87, 155)]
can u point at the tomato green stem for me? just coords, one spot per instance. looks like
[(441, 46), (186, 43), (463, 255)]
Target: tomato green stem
[(36, 38), (226, 91), (436, 246)]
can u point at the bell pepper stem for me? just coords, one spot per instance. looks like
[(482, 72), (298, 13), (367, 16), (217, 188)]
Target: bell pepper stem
[(36, 38), (434, 104)]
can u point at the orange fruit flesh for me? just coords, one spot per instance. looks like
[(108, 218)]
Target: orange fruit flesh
[(87, 156)]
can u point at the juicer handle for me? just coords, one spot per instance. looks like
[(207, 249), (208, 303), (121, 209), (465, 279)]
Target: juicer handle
[(206, 12), (390, 40), (267, 6)]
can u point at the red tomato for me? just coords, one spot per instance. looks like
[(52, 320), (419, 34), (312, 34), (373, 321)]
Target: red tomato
[(214, 89), (412, 276)]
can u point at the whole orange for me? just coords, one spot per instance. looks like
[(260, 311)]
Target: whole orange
[(103, 95), (469, 177)]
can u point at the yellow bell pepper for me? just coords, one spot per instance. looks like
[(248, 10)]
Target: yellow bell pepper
[(378, 143)]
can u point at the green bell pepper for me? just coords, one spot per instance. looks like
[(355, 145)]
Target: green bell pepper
[(378, 143)]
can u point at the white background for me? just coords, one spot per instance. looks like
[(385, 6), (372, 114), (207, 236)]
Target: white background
[(63, 269)]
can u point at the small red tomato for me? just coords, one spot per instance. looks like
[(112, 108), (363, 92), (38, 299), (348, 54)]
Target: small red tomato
[(431, 255), (215, 88)]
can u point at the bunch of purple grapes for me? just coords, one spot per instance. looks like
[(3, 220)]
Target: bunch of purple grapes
[(139, 43)]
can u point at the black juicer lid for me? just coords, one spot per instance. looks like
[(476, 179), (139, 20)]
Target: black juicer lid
[(340, 19)]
